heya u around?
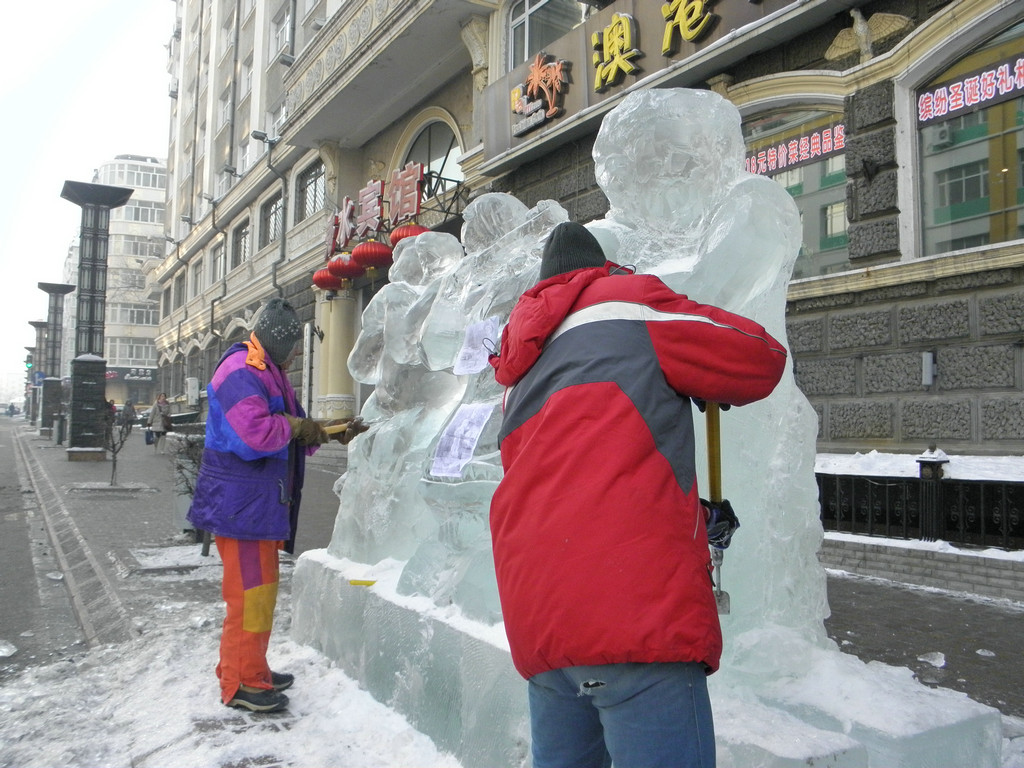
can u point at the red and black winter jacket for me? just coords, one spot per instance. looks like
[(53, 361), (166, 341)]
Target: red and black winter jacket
[(599, 541)]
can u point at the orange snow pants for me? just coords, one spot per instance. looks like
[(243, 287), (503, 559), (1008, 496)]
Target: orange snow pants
[(250, 594)]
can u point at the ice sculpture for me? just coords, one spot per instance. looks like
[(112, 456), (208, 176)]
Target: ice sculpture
[(414, 501), (419, 484)]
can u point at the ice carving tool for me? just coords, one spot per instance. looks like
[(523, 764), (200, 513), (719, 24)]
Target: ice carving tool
[(714, 435), (336, 429)]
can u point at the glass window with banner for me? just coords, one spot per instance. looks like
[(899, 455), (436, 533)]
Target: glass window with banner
[(804, 150), (437, 148), (970, 125)]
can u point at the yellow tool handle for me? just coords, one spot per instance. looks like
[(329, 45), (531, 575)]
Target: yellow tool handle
[(711, 413), (336, 429)]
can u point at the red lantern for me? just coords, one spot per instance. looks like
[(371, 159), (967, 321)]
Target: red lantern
[(372, 255), (345, 267), (411, 229), (326, 281)]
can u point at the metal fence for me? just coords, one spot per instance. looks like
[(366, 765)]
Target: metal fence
[(980, 513)]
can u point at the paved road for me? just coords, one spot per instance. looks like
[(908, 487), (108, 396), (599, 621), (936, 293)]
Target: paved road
[(35, 609), (981, 640)]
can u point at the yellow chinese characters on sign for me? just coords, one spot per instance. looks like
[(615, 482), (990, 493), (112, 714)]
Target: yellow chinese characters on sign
[(690, 17), (614, 51)]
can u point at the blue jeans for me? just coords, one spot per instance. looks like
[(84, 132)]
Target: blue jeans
[(635, 715)]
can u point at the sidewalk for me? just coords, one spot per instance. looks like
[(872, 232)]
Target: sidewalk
[(131, 570)]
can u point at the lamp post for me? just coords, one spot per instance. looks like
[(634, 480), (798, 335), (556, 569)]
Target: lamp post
[(51, 401), (38, 368), (88, 370)]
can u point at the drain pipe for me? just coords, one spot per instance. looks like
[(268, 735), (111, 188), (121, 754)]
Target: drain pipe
[(224, 275), (271, 143)]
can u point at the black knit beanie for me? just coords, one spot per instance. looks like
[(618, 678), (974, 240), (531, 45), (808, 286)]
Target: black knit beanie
[(278, 329), (570, 246)]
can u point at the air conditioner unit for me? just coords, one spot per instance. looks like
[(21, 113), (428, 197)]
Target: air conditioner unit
[(941, 137), (192, 391)]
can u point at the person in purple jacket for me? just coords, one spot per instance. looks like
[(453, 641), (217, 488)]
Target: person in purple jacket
[(247, 494)]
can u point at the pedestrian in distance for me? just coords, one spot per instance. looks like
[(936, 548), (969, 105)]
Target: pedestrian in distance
[(160, 422), (127, 417), (247, 494), (600, 537)]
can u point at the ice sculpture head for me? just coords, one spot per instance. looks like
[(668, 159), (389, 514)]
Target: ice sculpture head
[(662, 155)]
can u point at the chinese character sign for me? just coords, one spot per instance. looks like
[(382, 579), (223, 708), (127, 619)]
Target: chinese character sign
[(406, 193), (689, 17), (347, 224), (614, 51), (371, 208), (798, 150), (995, 84)]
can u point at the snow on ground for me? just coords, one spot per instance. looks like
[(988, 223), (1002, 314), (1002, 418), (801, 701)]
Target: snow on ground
[(1008, 468), (153, 702)]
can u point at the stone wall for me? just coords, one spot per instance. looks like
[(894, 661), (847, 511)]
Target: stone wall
[(858, 358)]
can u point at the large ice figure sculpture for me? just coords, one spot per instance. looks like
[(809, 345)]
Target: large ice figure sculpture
[(414, 501)]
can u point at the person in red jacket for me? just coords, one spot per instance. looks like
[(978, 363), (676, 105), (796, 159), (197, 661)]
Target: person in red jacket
[(600, 537)]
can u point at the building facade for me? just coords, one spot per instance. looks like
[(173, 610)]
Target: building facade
[(897, 128)]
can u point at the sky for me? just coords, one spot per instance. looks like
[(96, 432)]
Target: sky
[(79, 87)]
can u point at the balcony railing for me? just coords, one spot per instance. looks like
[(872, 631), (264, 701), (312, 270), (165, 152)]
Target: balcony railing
[(976, 513)]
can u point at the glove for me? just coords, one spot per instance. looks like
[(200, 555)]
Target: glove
[(356, 426), (702, 405), (721, 522), (307, 431)]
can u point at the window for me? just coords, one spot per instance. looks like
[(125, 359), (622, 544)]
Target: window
[(132, 314), (224, 110), (165, 303), (962, 184), (140, 210), (804, 151), (438, 150), (971, 139), (240, 244), (179, 291), (277, 119), (271, 220), (134, 245), (125, 279), (130, 352), (282, 31), (134, 175), (247, 77), (833, 226), (312, 191), (535, 23), (198, 285), (217, 263)]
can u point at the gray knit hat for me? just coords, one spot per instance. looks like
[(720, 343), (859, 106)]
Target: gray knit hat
[(570, 246), (278, 329)]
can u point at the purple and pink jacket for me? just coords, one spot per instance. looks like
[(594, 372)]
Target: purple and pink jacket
[(600, 546), (250, 479)]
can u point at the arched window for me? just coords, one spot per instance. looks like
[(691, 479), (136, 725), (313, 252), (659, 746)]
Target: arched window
[(535, 23), (437, 147), (804, 151), (971, 142)]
